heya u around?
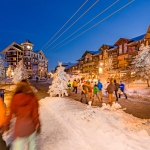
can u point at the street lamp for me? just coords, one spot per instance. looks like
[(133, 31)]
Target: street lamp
[(100, 68)]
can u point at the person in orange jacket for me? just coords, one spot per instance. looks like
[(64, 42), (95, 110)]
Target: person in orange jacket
[(24, 106), (3, 145)]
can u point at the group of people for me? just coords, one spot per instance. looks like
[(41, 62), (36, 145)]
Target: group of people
[(92, 90), (24, 108), (115, 88), (89, 90)]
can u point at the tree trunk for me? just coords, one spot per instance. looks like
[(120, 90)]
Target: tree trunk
[(148, 83)]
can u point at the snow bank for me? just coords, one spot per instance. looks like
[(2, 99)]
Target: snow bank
[(139, 93), (90, 129)]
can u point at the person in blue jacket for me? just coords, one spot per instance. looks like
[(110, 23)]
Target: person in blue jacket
[(100, 86), (122, 88)]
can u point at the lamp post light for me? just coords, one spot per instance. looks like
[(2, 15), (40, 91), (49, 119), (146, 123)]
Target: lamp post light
[(100, 68)]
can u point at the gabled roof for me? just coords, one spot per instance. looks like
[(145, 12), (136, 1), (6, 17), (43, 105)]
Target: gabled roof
[(122, 39), (27, 42), (105, 46), (40, 51), (13, 45), (91, 52), (70, 65)]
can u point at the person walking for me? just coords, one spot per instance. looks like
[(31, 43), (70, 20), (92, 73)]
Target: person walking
[(100, 86), (75, 85), (105, 87), (84, 92), (69, 87), (110, 89), (116, 89), (37, 79), (95, 92), (24, 105), (122, 88), (3, 145)]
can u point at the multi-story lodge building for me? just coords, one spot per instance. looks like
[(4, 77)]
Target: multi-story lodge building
[(122, 54), (35, 61)]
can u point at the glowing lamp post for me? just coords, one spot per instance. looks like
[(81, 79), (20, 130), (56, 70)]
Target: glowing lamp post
[(100, 68)]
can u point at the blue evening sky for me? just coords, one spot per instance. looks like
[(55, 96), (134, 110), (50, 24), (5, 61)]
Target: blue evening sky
[(40, 20)]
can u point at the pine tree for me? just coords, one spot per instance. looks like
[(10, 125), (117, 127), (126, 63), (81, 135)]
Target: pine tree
[(141, 64), (20, 73), (2, 69), (59, 83)]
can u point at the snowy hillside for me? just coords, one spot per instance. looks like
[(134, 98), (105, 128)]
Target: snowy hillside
[(69, 125)]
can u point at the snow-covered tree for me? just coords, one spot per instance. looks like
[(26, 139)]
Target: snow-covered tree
[(108, 64), (2, 69), (59, 83), (128, 77), (20, 73), (141, 64)]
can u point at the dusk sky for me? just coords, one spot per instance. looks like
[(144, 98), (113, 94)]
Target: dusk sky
[(48, 24)]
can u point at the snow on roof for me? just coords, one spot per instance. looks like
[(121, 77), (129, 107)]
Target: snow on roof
[(69, 64), (138, 38), (95, 52)]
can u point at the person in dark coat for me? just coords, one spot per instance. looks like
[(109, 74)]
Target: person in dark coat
[(110, 89), (24, 106), (37, 79), (116, 89)]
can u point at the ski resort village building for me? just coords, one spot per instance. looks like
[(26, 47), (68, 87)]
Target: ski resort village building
[(35, 61), (122, 53)]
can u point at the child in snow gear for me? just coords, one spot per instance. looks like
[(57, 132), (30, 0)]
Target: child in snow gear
[(95, 92)]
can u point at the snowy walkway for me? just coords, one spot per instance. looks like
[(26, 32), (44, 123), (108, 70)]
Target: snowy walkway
[(68, 125)]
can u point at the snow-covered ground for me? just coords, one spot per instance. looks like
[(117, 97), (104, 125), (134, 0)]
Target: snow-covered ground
[(70, 125), (139, 92)]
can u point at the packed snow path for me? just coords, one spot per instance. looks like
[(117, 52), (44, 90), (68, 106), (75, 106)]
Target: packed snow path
[(69, 125)]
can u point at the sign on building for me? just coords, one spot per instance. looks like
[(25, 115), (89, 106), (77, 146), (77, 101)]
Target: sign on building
[(35, 69)]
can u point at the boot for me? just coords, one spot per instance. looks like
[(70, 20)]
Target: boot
[(90, 103)]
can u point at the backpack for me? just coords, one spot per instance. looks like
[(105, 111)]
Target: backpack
[(69, 85)]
